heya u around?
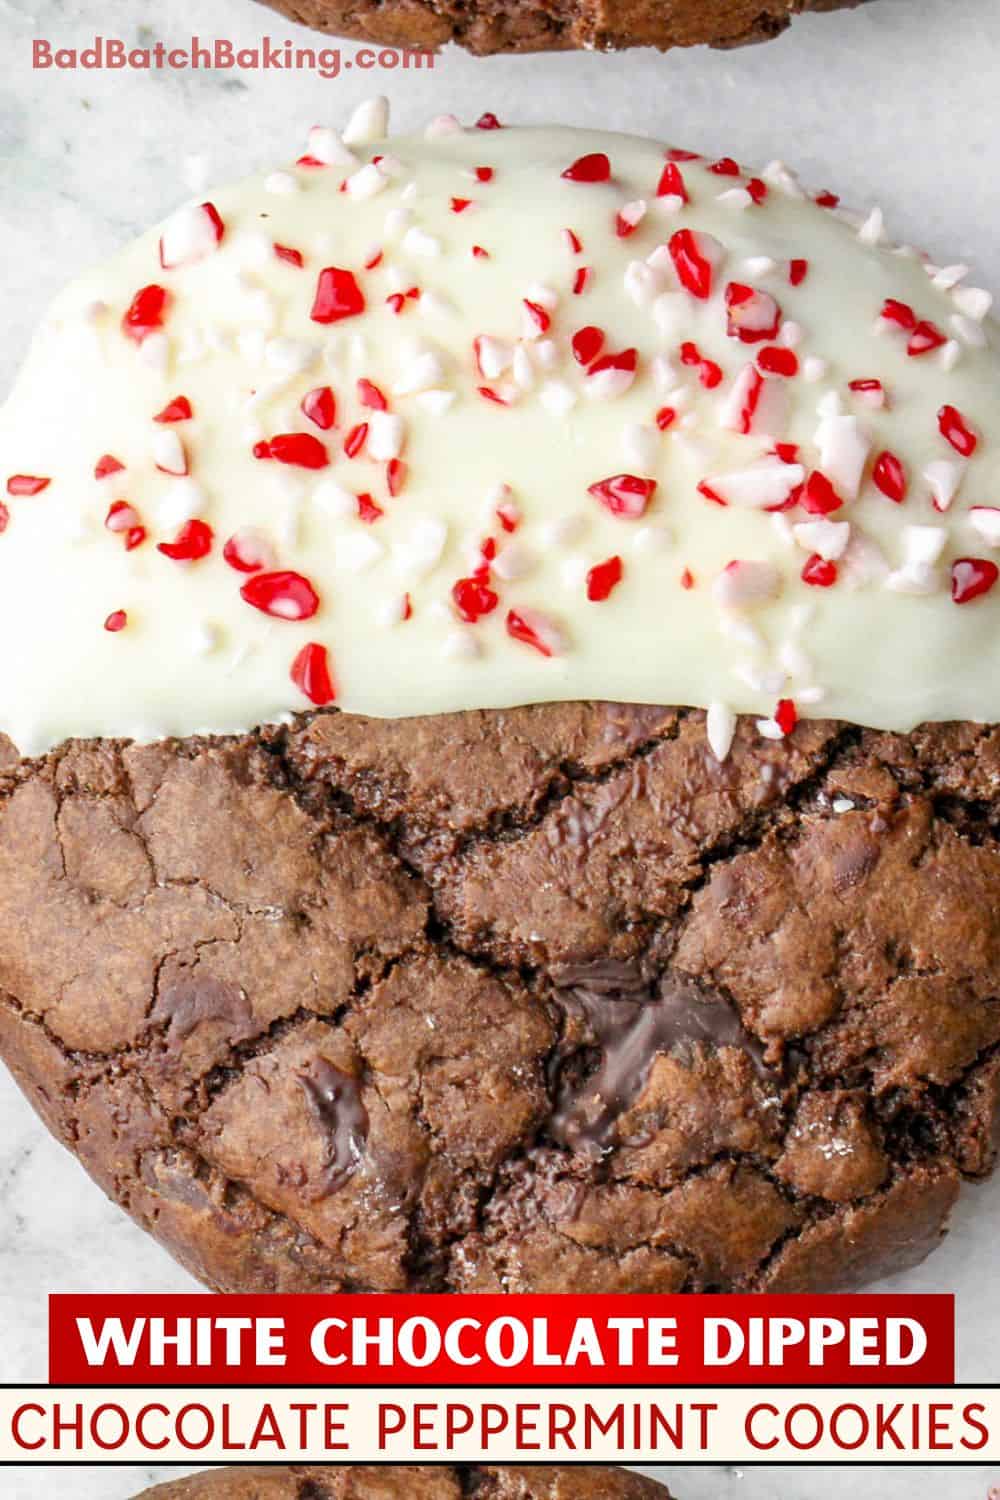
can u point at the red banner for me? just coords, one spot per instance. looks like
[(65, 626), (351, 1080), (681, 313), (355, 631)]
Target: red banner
[(490, 1341)]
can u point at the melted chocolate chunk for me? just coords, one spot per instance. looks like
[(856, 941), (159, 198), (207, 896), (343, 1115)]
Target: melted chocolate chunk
[(632, 1021), (336, 1104), (195, 997)]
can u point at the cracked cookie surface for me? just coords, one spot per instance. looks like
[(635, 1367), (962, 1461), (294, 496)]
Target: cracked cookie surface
[(387, 1482), (554, 25), (538, 1000)]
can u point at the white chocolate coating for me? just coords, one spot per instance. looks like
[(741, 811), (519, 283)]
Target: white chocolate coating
[(885, 645)]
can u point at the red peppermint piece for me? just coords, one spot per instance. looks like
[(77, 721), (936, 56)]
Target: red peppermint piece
[(368, 511), (107, 464), (484, 174), (4, 518), (820, 572), (777, 361), (827, 200), (27, 484), (283, 595), (594, 167), (396, 301), (797, 271), (369, 395), (320, 406), (587, 344), (488, 121), (866, 387), (818, 495), (751, 316), (625, 360), (694, 270), (671, 183), (194, 540), (676, 154), (338, 296), (246, 552), (145, 312), (725, 167), (705, 489), (687, 579), (890, 476), (971, 577), (395, 476), (134, 537), (177, 410), (356, 439), (709, 373), (459, 205), (479, 253), (311, 674), (757, 189), (665, 417), (538, 314), (604, 577), (473, 599), (924, 338), (489, 394), (286, 252), (298, 448), (625, 495), (786, 715), (787, 452), (375, 259), (575, 242), (582, 280), (121, 515), (899, 312), (520, 629), (953, 426), (117, 620)]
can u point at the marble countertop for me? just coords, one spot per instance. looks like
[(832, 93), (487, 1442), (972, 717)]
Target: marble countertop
[(896, 103)]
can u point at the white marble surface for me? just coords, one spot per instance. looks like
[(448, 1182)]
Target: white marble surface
[(897, 103)]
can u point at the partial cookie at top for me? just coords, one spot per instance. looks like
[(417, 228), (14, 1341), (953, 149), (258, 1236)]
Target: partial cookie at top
[(528, 26), (409, 1482)]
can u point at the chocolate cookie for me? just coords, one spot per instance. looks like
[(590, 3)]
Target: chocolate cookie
[(602, 25), (538, 1000), (462, 1482)]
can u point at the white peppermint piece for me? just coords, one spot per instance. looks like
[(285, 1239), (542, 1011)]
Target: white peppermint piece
[(547, 631), (828, 538), (652, 537), (154, 351), (205, 638), (814, 369), (670, 312), (949, 354), (417, 241), (720, 727), (513, 560), (460, 645), (422, 373), (356, 551), (640, 446), (327, 146), (188, 236), (422, 549), (985, 521), (946, 277), (972, 301), (335, 499), (642, 283), (759, 265), (168, 452), (969, 331), (744, 584), (844, 446), (764, 483), (522, 369), (945, 477), (179, 503), (770, 729), (367, 182), (369, 122), (842, 805), (872, 231), (863, 561), (290, 356), (386, 435), (922, 544), (564, 531), (914, 578), (737, 198), (442, 126), (436, 402), (494, 356), (392, 611), (557, 397)]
